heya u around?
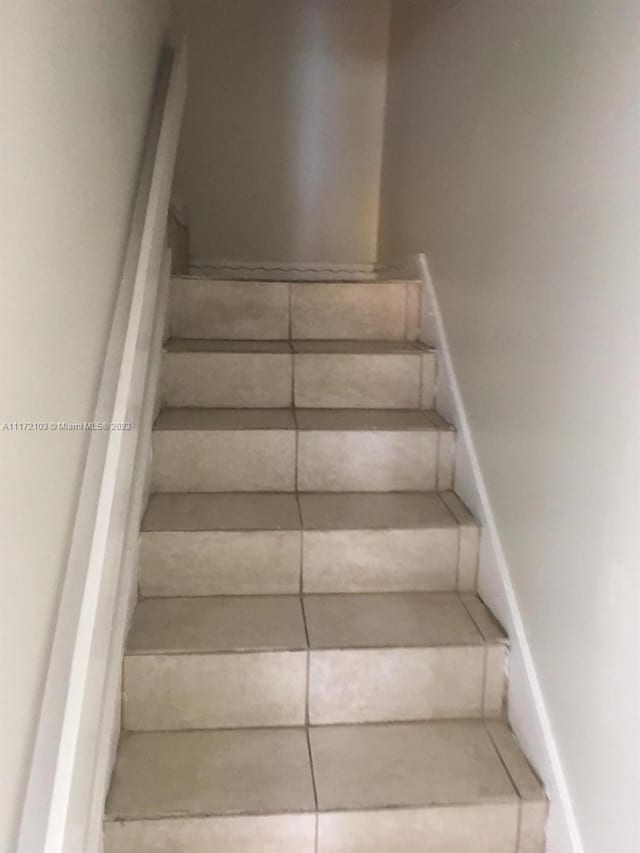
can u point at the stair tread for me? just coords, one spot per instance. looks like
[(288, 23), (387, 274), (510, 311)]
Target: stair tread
[(216, 345), (440, 762), (203, 278), (357, 347), (324, 420), (193, 511), (217, 624), (377, 620), (363, 419), (225, 419), (197, 773), (333, 621), (329, 347), (367, 510), (268, 310), (269, 771)]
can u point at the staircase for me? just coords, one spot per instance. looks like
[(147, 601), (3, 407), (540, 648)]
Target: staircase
[(309, 669)]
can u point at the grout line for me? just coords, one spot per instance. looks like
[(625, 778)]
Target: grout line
[(301, 562), (304, 620), (419, 314), (302, 590), (313, 775), (418, 721), (306, 692), (519, 829), (457, 521), (483, 703), (515, 787), (406, 311), (297, 453), (470, 614), (293, 378), (307, 734), (438, 379), (290, 318), (453, 438), (308, 671), (263, 651), (443, 450), (387, 807), (439, 593), (421, 379), (433, 368), (258, 651), (435, 427), (459, 555), (122, 690)]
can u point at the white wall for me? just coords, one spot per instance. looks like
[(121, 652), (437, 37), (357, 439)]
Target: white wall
[(282, 139), (513, 159), (76, 82)]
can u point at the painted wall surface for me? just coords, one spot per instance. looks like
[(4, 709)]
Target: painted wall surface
[(282, 139), (76, 83), (512, 158)]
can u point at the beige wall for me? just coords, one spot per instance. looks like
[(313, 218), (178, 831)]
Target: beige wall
[(76, 84), (513, 159), (282, 140)]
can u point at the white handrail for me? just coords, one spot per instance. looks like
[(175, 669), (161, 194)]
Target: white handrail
[(74, 741)]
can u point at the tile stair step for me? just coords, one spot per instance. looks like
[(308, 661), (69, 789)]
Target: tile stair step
[(335, 450), (451, 786), (222, 662), (313, 374), (254, 310), (249, 543), (309, 668)]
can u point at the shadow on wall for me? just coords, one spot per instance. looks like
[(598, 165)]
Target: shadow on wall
[(282, 141)]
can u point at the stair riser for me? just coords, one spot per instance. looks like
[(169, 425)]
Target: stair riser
[(197, 691), (312, 311), (227, 380), (182, 563), (354, 311), (447, 829), (198, 563), (389, 381), (268, 460), (376, 685), (229, 310), (214, 691), (345, 561), (311, 380), (367, 461), (224, 461), (287, 833), (487, 828)]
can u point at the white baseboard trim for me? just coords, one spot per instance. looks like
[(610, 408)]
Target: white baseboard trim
[(528, 715), (281, 271), (79, 721)]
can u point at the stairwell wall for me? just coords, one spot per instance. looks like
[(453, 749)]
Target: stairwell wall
[(282, 139), (512, 158), (76, 87)]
